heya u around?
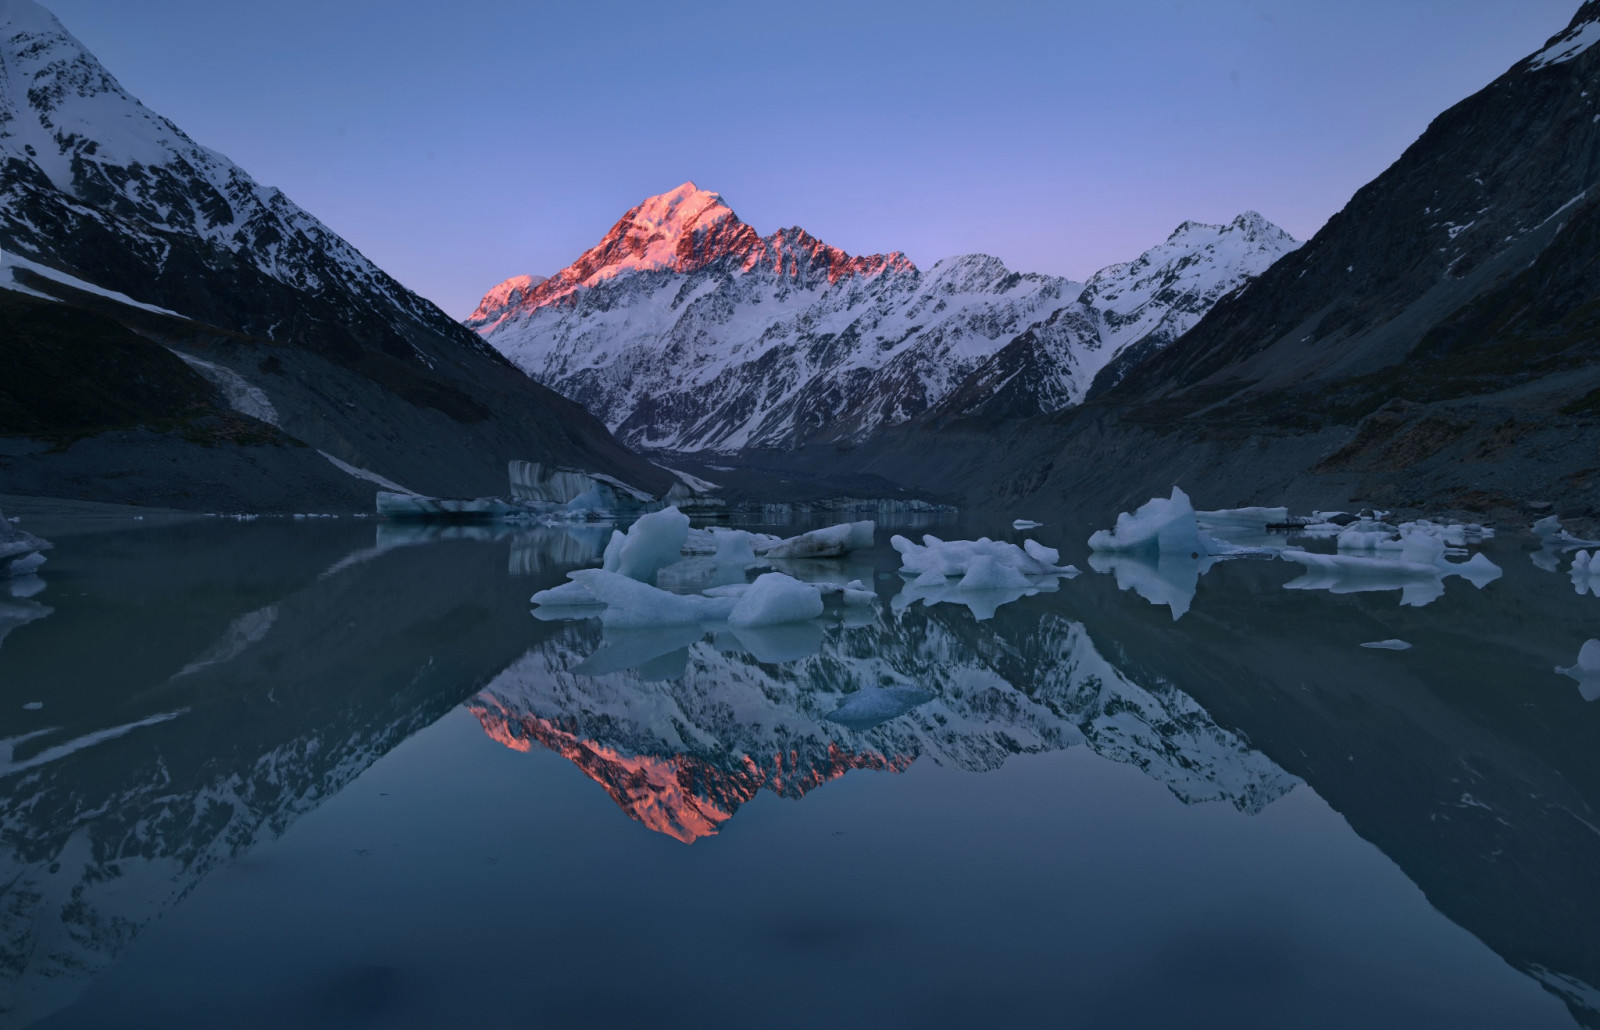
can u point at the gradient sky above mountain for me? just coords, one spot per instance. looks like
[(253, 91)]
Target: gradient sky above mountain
[(460, 144)]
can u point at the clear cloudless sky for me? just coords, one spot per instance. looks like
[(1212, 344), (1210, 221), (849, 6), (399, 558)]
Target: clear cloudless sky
[(461, 143)]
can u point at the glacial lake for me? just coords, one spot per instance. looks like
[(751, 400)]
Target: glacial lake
[(333, 773)]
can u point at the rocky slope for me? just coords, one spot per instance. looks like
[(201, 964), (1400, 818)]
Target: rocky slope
[(687, 331), (1433, 345), (108, 208)]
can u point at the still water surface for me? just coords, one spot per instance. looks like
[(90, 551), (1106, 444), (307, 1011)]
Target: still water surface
[(334, 774)]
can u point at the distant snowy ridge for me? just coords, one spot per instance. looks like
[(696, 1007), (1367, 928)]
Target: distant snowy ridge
[(685, 330)]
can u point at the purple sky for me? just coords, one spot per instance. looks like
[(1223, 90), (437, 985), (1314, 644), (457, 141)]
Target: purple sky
[(459, 144)]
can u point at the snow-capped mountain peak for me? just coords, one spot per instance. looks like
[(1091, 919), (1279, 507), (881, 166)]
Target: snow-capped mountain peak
[(685, 330)]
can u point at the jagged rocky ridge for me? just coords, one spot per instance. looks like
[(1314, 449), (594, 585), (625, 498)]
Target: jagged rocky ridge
[(685, 330), (110, 208)]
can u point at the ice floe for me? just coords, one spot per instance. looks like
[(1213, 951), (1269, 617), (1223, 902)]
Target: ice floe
[(872, 706), (1162, 525), (653, 542), (1392, 644), (831, 542)]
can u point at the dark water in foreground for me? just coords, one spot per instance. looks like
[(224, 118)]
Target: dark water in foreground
[(323, 774)]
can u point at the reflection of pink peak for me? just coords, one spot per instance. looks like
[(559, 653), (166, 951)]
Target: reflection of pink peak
[(681, 796), (681, 231)]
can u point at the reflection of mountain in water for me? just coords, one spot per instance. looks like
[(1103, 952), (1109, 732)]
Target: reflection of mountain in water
[(681, 753), (205, 720)]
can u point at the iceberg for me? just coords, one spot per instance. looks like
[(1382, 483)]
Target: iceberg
[(654, 541), (832, 542), (1586, 671), (1391, 644), (631, 604), (1161, 525), (567, 595), (1026, 524), (19, 550), (985, 573), (1585, 573), (774, 599)]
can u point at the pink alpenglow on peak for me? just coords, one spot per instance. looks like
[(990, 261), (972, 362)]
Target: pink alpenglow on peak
[(681, 231)]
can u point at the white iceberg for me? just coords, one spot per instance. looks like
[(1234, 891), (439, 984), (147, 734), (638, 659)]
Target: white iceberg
[(831, 542), (774, 599), (654, 541), (1160, 526), (1026, 524)]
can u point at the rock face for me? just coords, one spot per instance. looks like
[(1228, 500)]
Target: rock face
[(1473, 238), (108, 207), (1434, 344), (685, 330)]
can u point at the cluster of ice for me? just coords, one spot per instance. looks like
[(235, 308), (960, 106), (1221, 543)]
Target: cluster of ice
[(832, 542), (1586, 671), (1160, 526), (986, 573), (950, 558), (1418, 570), (1378, 536), (713, 541)]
